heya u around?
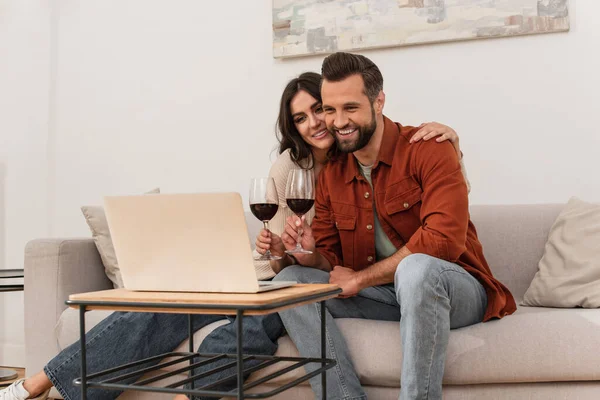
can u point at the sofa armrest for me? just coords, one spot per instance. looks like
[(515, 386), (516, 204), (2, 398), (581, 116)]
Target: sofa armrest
[(54, 269)]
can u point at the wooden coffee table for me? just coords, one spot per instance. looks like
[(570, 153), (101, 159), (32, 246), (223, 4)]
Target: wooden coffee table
[(238, 304)]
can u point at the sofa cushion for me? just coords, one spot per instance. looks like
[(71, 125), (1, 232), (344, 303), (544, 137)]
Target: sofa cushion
[(569, 271), (533, 345), (67, 327)]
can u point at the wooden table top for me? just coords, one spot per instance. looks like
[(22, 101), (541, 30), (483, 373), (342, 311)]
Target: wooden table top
[(205, 303)]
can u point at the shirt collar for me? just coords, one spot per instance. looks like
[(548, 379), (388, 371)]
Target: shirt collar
[(391, 133)]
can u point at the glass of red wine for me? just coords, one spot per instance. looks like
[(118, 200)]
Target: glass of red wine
[(300, 197), (264, 204)]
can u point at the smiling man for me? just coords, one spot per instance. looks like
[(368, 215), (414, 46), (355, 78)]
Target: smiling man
[(392, 229)]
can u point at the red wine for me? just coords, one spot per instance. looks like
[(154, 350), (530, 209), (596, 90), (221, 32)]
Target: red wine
[(264, 211), (300, 206)]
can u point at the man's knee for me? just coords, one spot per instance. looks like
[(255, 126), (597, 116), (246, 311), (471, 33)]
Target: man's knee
[(302, 274), (415, 271)]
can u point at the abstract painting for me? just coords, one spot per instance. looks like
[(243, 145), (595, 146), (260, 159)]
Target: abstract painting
[(304, 27)]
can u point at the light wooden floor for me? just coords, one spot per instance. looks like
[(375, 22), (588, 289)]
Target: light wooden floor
[(21, 372)]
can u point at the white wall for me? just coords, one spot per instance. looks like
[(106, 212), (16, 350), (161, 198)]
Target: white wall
[(179, 94), (24, 88), (184, 94)]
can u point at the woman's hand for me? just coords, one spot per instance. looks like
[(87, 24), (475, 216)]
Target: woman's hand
[(432, 129), (266, 240)]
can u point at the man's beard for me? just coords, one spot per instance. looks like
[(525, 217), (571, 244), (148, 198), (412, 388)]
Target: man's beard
[(365, 133)]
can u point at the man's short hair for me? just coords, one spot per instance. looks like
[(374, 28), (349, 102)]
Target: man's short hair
[(338, 66)]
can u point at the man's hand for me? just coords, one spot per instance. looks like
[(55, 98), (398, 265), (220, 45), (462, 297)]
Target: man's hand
[(346, 279), (295, 227), (267, 240)]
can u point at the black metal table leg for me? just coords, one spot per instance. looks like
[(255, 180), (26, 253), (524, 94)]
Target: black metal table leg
[(240, 351), (82, 310), (191, 340), (323, 351)]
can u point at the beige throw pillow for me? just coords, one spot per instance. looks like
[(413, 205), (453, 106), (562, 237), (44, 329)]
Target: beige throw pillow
[(569, 271), (96, 220)]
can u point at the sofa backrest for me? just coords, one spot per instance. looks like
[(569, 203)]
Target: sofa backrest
[(513, 238)]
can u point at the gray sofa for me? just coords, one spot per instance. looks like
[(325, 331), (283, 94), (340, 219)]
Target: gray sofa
[(537, 353)]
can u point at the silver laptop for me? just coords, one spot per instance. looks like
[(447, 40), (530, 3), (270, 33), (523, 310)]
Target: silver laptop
[(184, 243)]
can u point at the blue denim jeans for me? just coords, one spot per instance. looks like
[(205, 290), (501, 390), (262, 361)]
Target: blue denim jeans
[(429, 297), (122, 338)]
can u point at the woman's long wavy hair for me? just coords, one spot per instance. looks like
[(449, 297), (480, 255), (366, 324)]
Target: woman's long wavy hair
[(287, 134)]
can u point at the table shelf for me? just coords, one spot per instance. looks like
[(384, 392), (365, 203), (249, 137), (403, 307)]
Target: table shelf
[(197, 360)]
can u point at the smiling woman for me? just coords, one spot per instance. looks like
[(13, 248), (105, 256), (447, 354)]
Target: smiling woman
[(306, 113), (300, 118), (304, 142)]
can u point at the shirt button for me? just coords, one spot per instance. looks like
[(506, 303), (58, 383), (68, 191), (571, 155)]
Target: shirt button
[(369, 227), (367, 195), (370, 258), (406, 205)]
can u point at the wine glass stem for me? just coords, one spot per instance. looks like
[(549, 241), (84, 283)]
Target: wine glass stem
[(299, 243), (266, 226)]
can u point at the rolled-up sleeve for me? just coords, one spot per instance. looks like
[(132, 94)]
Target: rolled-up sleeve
[(324, 230), (444, 203)]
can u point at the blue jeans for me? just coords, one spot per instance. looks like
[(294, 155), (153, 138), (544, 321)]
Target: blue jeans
[(429, 297), (126, 337)]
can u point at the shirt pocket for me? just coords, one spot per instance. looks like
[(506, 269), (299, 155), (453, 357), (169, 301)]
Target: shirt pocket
[(346, 226), (403, 206)]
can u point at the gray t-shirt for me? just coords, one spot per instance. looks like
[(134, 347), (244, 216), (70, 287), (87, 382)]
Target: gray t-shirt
[(383, 246)]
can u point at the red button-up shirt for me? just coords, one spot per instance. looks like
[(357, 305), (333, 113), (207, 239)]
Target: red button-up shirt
[(422, 203)]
